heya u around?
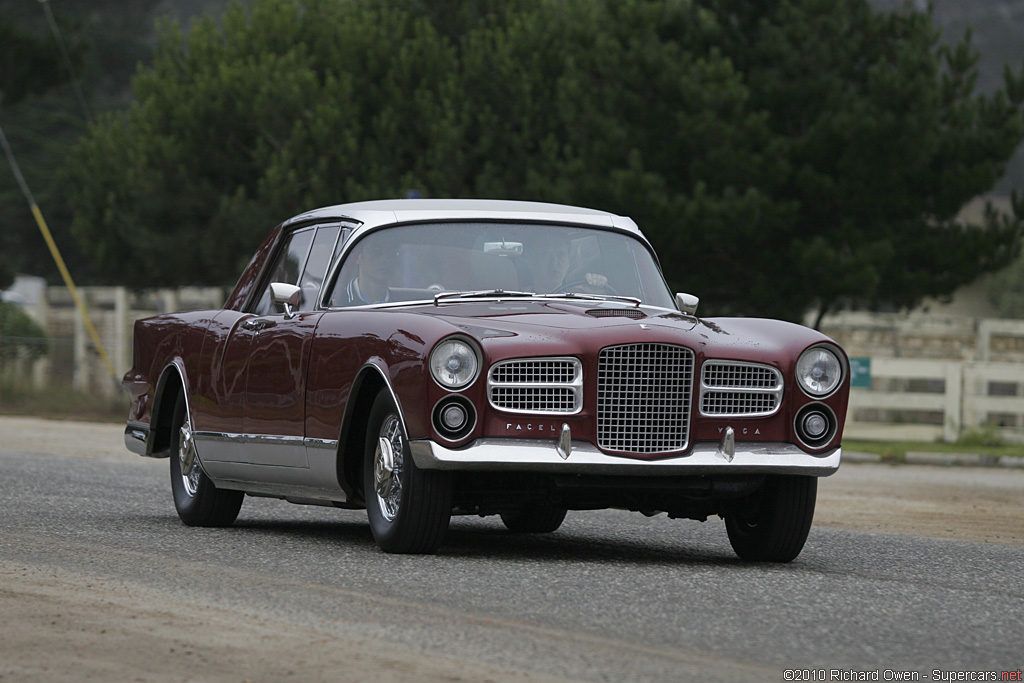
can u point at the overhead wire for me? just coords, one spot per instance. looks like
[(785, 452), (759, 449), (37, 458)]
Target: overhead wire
[(51, 244), (66, 59)]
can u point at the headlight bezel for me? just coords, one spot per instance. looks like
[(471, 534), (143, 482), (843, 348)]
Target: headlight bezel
[(454, 347), (820, 370)]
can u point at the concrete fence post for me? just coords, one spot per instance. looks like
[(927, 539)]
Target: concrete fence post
[(122, 333), (80, 372), (954, 410)]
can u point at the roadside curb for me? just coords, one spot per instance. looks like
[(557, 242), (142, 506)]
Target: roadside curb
[(941, 459)]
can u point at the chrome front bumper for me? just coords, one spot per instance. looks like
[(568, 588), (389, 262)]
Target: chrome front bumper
[(534, 455)]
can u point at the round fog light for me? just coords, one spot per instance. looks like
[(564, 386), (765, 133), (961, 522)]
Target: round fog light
[(453, 417), (815, 425)]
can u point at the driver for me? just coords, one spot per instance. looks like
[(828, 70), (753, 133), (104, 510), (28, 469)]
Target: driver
[(549, 257), (375, 262)]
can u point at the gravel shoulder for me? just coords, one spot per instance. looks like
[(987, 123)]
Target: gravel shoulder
[(61, 626)]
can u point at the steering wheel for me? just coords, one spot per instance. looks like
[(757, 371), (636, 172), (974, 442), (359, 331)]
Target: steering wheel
[(566, 287)]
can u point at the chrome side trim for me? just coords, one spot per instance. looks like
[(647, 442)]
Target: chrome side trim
[(249, 438), (328, 444), (255, 449), (229, 436), (260, 449), (534, 455)]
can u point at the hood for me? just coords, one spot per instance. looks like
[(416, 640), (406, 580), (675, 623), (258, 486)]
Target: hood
[(603, 323)]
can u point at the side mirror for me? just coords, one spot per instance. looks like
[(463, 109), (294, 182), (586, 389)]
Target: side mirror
[(286, 295), (687, 303)]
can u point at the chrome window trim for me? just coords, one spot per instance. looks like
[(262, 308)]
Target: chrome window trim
[(707, 388)]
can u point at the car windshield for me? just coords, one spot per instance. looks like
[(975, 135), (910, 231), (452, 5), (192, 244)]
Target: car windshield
[(417, 262)]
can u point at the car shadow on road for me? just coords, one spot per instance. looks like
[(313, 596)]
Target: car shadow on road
[(472, 539), (591, 547)]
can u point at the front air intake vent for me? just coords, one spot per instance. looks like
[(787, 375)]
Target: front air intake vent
[(536, 386), (616, 313), (737, 389)]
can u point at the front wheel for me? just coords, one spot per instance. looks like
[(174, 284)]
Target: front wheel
[(197, 500), (409, 509), (773, 524)]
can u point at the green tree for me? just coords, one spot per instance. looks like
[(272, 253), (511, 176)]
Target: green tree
[(781, 155), (884, 140), (43, 117), (251, 119), (285, 105), (27, 63), (1005, 291), (30, 66), (21, 338)]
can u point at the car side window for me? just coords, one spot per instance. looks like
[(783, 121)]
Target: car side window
[(316, 265), (290, 263)]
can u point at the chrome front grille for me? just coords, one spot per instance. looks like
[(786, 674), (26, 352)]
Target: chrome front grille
[(538, 386), (643, 398), (737, 389)]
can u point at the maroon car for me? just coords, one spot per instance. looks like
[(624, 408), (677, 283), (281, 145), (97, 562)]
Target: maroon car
[(424, 358)]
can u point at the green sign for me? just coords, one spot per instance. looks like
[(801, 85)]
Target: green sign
[(860, 372)]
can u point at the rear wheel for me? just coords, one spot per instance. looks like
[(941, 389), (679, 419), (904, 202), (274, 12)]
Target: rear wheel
[(409, 509), (197, 500), (774, 523), (536, 519)]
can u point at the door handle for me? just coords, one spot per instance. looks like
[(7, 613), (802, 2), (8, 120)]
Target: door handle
[(257, 324)]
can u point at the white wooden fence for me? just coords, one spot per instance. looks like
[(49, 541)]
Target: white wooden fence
[(73, 360), (915, 397), (928, 400)]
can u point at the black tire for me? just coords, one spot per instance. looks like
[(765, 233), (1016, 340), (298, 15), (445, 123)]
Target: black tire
[(197, 500), (409, 509), (774, 524), (536, 519)]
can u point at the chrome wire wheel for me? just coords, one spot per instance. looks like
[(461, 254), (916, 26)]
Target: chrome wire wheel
[(187, 459), (408, 508), (387, 467)]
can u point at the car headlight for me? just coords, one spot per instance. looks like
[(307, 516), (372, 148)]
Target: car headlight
[(819, 371), (454, 364)]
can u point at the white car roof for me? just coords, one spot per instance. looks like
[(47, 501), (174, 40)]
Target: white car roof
[(375, 213)]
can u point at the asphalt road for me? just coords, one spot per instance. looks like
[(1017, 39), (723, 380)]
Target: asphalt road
[(611, 596)]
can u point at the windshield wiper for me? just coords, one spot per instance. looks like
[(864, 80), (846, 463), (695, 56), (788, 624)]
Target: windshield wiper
[(592, 297), (506, 293), (481, 294)]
